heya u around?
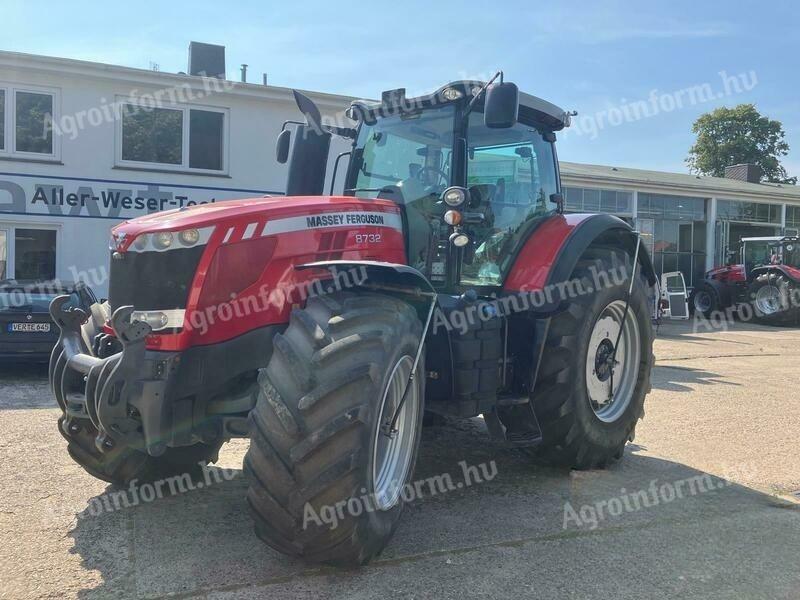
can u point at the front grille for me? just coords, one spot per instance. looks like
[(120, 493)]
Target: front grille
[(153, 280)]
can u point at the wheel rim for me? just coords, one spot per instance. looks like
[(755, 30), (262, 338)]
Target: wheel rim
[(391, 457), (609, 405), (702, 301), (768, 299)]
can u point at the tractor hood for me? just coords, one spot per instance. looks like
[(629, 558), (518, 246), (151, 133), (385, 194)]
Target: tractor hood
[(258, 211)]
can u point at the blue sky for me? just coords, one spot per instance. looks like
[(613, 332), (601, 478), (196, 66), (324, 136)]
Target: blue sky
[(593, 57)]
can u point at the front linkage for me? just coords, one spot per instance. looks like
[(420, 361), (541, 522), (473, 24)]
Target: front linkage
[(110, 391)]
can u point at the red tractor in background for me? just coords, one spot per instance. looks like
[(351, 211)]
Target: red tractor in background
[(446, 279), (763, 285)]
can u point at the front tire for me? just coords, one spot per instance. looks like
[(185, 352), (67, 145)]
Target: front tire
[(325, 482), (704, 300), (582, 427)]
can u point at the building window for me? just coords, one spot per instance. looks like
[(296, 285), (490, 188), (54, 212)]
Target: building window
[(587, 200), (34, 254), (205, 139), (33, 131), (749, 212), (26, 122), (153, 136), (679, 208), (175, 138), (793, 217)]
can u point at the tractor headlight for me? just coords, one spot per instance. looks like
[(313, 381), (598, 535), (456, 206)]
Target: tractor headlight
[(189, 237), (162, 240), (160, 319), (141, 242), (459, 239), (454, 196), (156, 320), (452, 94)]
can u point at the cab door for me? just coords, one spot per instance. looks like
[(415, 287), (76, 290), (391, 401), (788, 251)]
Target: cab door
[(674, 296)]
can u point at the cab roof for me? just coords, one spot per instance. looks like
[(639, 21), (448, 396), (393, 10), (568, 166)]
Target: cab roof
[(778, 238), (531, 107)]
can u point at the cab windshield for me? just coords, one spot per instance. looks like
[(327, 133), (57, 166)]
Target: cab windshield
[(409, 150), (407, 158)]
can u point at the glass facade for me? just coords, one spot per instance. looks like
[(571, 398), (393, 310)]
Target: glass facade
[(590, 200), (737, 219), (679, 233), (792, 219), (675, 229), (748, 212)]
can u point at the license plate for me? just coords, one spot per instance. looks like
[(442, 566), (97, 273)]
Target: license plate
[(29, 327)]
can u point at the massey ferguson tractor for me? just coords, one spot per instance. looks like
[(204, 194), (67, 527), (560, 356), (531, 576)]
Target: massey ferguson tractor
[(764, 285), (445, 279)]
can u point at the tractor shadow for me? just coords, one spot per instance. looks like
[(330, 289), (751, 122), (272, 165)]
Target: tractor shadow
[(202, 541), (685, 379)]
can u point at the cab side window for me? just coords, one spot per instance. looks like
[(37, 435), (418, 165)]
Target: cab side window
[(511, 174)]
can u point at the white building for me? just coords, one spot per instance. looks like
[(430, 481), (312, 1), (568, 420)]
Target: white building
[(66, 180), (85, 145)]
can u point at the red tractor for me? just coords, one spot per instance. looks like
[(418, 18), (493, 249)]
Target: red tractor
[(446, 279), (763, 285)]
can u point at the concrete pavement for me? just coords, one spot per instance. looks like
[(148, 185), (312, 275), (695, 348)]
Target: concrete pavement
[(724, 408)]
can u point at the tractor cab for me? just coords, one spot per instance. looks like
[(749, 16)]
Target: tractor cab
[(472, 166), (761, 252)]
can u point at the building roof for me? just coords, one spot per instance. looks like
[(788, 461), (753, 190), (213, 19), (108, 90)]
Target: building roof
[(660, 181), (22, 63)]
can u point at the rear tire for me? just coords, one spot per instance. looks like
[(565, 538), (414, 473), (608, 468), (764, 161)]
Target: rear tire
[(317, 489), (579, 429)]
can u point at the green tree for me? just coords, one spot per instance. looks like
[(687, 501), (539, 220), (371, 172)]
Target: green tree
[(731, 136)]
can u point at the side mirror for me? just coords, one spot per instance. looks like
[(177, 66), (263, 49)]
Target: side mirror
[(282, 146), (501, 107), (558, 200)]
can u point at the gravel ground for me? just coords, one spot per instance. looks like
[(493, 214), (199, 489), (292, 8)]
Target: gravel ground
[(724, 404)]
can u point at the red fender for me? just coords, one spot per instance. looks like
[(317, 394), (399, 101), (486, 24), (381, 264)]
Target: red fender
[(535, 261), (553, 249)]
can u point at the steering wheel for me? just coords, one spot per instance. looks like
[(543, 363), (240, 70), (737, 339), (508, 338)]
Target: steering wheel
[(421, 175)]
